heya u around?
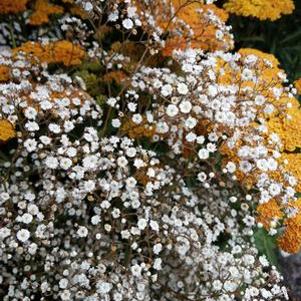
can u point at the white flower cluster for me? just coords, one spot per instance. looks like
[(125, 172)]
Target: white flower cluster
[(92, 218)]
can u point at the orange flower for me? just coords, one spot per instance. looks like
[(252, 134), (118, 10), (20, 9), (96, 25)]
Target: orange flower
[(7, 130), (55, 52), (290, 240), (267, 212), (12, 6), (43, 9), (4, 73), (261, 9)]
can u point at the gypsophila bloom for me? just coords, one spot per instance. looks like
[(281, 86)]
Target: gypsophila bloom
[(140, 159)]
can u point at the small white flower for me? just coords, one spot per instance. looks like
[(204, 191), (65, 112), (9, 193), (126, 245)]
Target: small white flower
[(23, 235), (127, 23), (63, 283), (137, 118), (182, 88), (30, 113), (142, 223), (116, 123), (27, 218), (185, 106), (51, 162), (82, 231), (65, 163), (172, 110), (54, 128), (166, 90), (203, 154), (30, 145)]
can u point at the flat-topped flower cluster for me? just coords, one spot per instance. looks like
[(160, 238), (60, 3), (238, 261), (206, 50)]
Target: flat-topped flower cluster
[(139, 158)]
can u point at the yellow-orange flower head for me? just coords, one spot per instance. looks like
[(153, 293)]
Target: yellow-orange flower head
[(261, 9)]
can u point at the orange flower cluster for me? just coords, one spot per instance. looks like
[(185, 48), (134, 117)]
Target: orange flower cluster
[(205, 33), (43, 9), (59, 52), (261, 9), (290, 240), (7, 130), (269, 212), (190, 24), (12, 6)]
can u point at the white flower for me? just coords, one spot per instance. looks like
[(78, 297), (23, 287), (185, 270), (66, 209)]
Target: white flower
[(157, 248), (65, 163), (71, 152), (172, 110), (131, 152), (4, 232), (191, 122), (32, 126), (137, 118), (157, 264), (166, 90), (95, 219), (203, 154), (30, 145), (190, 137), (65, 295), (88, 6), (23, 235), (90, 162), (26, 218), (51, 162), (142, 223), (82, 231), (63, 283), (116, 123), (122, 161), (231, 167), (154, 225), (136, 270), (185, 106), (54, 128), (45, 140), (127, 23), (103, 287), (30, 113), (182, 88)]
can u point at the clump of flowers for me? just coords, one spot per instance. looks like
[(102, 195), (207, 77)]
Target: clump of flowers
[(12, 6), (142, 160), (42, 10), (261, 9), (58, 52)]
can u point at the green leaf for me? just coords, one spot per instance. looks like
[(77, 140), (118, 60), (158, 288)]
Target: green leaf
[(292, 37), (266, 245)]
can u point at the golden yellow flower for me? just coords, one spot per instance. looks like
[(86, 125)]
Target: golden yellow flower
[(43, 9), (288, 128), (188, 24), (261, 9), (12, 6), (7, 130), (63, 52), (204, 32), (290, 240), (291, 163), (268, 212)]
